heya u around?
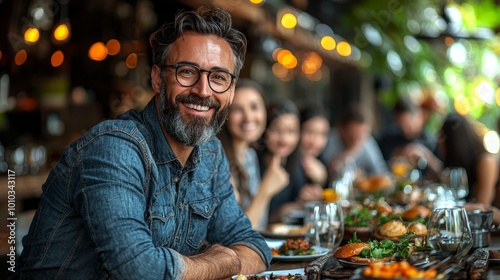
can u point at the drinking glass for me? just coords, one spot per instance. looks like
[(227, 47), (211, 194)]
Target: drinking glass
[(449, 232), (324, 222), (456, 179)]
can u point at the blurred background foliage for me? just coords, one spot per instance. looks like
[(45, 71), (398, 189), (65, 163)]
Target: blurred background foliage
[(444, 54)]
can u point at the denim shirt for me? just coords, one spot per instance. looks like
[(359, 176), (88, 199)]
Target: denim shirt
[(120, 205)]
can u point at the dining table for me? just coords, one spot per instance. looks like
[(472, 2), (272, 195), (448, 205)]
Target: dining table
[(493, 270)]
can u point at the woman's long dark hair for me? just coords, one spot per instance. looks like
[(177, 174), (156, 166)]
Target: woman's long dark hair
[(462, 144)]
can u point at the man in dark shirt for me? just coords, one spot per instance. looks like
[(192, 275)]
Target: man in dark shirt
[(409, 129)]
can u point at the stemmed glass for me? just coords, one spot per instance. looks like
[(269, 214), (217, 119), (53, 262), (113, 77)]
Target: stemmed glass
[(449, 233), (456, 179), (325, 224)]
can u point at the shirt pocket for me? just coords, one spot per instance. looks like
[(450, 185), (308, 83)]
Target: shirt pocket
[(161, 223), (201, 212)]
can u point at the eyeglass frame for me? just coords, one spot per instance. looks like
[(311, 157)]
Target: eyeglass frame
[(176, 67)]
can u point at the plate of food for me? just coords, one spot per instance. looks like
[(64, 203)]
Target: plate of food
[(295, 249), (283, 231), (357, 253), (293, 274), (401, 270)]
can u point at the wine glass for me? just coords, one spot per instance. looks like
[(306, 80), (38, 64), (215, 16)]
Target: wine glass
[(325, 225), (456, 179), (449, 232)]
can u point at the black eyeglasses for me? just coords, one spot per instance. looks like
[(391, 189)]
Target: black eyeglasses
[(188, 75)]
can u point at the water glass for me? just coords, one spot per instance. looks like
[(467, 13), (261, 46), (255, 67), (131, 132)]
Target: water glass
[(456, 179), (449, 232), (324, 222)]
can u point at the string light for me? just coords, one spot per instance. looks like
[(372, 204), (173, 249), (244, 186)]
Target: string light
[(288, 20), (61, 33), (131, 60), (328, 43), (113, 47), (31, 35), (343, 48), (21, 57), (98, 51), (57, 59)]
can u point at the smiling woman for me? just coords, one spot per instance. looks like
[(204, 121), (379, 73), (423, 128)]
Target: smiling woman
[(245, 125)]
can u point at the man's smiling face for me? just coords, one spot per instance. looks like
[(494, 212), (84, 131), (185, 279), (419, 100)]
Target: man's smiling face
[(192, 115)]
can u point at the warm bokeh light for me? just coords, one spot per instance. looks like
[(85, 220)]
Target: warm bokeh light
[(288, 20), (491, 142), (31, 35), (290, 61), (461, 105), (328, 43), (20, 57), (61, 32), (131, 60), (316, 76), (343, 48), (281, 55), (0, 55), (57, 59), (113, 47), (256, 1), (98, 51), (275, 53), (311, 63), (279, 71)]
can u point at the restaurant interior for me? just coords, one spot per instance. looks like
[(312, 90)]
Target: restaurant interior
[(65, 65)]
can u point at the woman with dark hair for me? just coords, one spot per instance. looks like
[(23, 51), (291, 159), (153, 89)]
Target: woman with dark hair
[(314, 129), (245, 125), (460, 145), (280, 141)]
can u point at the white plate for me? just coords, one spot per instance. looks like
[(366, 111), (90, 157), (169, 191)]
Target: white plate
[(319, 251), (278, 273)]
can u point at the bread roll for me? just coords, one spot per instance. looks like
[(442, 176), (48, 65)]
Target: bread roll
[(418, 229), (415, 212), (392, 229), (351, 249)]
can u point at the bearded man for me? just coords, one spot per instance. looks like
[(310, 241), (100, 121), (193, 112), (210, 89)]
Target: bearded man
[(148, 196)]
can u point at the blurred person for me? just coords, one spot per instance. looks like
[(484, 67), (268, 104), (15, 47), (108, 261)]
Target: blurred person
[(410, 120), (461, 145), (314, 129), (280, 140), (351, 140), (244, 126), (148, 196)]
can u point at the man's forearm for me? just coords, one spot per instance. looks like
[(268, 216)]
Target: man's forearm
[(251, 262), (217, 262)]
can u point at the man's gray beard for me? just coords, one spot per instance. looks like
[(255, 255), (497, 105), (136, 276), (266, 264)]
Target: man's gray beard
[(194, 133)]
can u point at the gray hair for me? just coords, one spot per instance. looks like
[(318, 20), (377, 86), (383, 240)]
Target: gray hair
[(203, 21)]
